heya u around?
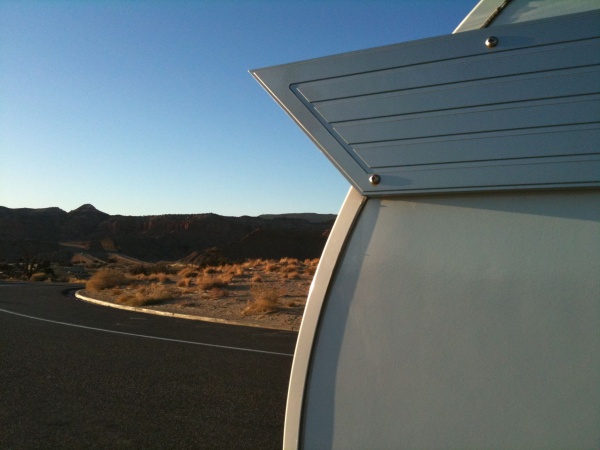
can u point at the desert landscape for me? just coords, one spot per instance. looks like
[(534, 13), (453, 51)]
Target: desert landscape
[(265, 293), (252, 271)]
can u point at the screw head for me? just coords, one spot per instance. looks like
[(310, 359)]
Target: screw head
[(491, 42), (374, 179)]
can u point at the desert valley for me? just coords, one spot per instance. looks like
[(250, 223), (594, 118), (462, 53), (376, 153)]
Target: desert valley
[(246, 270)]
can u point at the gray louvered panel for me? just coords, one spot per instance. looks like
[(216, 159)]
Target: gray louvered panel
[(463, 95), (544, 113), (480, 67), (449, 114), (487, 146)]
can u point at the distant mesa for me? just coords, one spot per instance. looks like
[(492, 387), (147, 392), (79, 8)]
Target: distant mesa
[(87, 209), (59, 235)]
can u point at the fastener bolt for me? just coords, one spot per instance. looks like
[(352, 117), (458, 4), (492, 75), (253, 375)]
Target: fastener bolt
[(491, 42), (374, 179)]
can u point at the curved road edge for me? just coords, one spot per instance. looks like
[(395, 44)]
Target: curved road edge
[(84, 298)]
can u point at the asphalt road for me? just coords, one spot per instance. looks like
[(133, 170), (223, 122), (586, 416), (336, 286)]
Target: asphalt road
[(77, 375)]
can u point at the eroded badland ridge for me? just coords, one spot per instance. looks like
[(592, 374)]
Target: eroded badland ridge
[(87, 233)]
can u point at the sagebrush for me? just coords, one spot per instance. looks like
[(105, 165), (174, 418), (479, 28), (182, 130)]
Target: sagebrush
[(106, 279)]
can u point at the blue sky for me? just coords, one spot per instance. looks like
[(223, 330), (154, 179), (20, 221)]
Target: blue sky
[(147, 107)]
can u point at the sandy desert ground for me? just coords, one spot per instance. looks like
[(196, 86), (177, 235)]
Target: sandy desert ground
[(264, 293)]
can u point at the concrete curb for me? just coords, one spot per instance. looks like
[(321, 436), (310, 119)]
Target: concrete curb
[(179, 316)]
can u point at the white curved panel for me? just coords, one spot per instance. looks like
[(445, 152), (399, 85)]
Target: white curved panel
[(466, 321)]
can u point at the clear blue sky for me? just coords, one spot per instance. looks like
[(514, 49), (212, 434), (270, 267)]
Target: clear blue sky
[(147, 107)]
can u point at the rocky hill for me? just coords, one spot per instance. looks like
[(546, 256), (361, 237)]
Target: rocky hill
[(57, 235)]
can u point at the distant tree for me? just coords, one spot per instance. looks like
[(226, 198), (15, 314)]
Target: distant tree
[(30, 261)]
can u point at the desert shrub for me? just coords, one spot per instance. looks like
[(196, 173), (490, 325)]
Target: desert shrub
[(226, 278), (311, 265), (188, 272), (217, 292), (138, 277), (232, 270), (289, 268), (207, 282), (159, 278), (264, 299), (210, 270), (238, 270), (257, 278), (40, 276), (146, 295), (271, 267), (253, 264), (291, 275), (106, 279), (185, 282), (287, 261)]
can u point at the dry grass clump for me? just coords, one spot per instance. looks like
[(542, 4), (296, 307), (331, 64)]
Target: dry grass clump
[(106, 279), (185, 282), (159, 278), (237, 270), (40, 276), (230, 270), (253, 264), (146, 295), (217, 292), (293, 275), (151, 277), (207, 282), (271, 267), (288, 261), (257, 278), (264, 299), (188, 272), (290, 268), (138, 277), (311, 265)]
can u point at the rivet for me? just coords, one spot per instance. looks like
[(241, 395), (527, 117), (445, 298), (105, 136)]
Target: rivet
[(374, 179), (491, 42)]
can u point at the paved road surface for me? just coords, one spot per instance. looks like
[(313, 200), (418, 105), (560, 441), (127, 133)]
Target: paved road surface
[(77, 375)]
